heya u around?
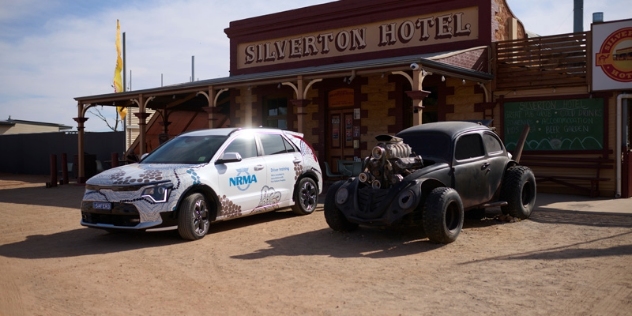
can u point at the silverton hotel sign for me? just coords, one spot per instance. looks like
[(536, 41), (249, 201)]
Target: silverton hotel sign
[(436, 28), (612, 55)]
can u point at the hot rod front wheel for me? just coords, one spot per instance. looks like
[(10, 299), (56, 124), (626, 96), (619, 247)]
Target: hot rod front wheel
[(443, 215), (334, 217)]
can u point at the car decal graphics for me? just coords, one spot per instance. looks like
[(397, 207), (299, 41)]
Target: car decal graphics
[(306, 149), (229, 209), (175, 174), (117, 177), (308, 154), (194, 176), (298, 170), (243, 181), (127, 184), (269, 200), (148, 210), (278, 174), (269, 196), (145, 177), (263, 209), (97, 192)]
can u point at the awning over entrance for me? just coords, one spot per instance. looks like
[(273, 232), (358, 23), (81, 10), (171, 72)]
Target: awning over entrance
[(469, 64), (441, 63)]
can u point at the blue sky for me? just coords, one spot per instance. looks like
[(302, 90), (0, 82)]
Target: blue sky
[(55, 50)]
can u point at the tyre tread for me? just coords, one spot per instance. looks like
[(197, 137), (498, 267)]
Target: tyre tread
[(185, 217), (511, 191), (333, 216), (297, 208), (433, 216)]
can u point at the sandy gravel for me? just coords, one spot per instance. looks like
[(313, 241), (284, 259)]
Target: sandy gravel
[(559, 262)]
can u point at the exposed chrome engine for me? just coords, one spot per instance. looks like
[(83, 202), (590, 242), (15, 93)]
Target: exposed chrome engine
[(390, 162)]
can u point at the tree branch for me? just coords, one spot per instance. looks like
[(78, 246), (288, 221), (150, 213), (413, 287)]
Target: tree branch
[(99, 115)]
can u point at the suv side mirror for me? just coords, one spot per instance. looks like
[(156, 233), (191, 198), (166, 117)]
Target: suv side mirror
[(228, 157)]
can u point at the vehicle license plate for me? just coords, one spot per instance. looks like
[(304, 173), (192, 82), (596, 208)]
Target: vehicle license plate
[(102, 205)]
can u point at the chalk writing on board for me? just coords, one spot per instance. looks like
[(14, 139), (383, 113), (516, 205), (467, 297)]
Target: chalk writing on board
[(575, 124)]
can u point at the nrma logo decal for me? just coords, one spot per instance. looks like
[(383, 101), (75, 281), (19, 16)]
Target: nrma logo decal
[(243, 180)]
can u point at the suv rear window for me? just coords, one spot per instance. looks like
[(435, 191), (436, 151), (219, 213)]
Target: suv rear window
[(274, 144)]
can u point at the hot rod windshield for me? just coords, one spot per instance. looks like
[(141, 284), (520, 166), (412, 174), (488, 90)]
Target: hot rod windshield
[(429, 144), (186, 150)]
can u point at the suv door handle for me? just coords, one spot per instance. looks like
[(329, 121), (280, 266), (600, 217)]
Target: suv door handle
[(258, 167), (485, 165)]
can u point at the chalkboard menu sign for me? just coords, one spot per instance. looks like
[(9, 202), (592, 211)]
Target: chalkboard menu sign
[(575, 124)]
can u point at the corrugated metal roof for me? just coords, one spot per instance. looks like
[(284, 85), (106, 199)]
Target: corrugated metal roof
[(12, 122)]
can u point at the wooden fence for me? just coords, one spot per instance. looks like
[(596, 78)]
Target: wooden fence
[(541, 62)]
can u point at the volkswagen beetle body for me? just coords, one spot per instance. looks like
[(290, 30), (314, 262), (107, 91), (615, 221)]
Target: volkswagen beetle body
[(430, 175)]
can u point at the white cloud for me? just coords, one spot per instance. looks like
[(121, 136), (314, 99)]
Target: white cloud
[(54, 51), (546, 17), (69, 51)]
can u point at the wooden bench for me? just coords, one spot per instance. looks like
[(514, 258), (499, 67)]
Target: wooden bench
[(549, 168)]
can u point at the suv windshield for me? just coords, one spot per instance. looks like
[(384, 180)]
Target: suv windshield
[(186, 150)]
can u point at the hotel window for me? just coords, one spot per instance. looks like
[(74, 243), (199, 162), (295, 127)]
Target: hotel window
[(276, 113)]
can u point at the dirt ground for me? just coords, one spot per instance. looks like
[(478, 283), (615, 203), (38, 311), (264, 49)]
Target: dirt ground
[(558, 262)]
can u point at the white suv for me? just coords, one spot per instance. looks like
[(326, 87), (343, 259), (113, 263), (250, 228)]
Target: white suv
[(206, 176)]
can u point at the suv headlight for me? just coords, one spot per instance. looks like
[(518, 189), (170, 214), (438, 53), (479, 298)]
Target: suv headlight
[(159, 193)]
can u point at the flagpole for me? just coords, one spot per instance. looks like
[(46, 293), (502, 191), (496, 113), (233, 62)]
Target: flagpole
[(124, 89), (124, 66)]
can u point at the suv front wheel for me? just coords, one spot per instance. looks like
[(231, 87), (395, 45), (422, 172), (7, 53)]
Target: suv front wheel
[(193, 218)]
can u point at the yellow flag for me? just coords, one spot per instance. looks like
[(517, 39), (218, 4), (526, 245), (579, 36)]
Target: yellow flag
[(118, 81)]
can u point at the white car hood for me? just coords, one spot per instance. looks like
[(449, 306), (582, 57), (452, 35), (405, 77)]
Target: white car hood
[(135, 174)]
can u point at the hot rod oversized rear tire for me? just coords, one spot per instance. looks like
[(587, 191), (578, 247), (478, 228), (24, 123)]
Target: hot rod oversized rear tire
[(519, 190), (443, 215), (334, 217)]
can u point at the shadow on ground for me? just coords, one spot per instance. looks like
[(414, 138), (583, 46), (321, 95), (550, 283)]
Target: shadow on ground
[(90, 241), (61, 196), (83, 241), (365, 242), (585, 249)]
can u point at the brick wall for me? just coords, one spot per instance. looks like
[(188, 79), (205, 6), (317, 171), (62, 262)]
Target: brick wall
[(375, 111), (463, 100)]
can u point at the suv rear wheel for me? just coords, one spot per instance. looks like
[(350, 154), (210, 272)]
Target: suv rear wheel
[(305, 197)]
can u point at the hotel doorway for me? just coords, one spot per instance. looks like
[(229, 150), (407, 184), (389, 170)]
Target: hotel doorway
[(340, 127)]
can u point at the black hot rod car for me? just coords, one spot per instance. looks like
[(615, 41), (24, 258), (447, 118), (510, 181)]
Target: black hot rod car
[(431, 174)]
